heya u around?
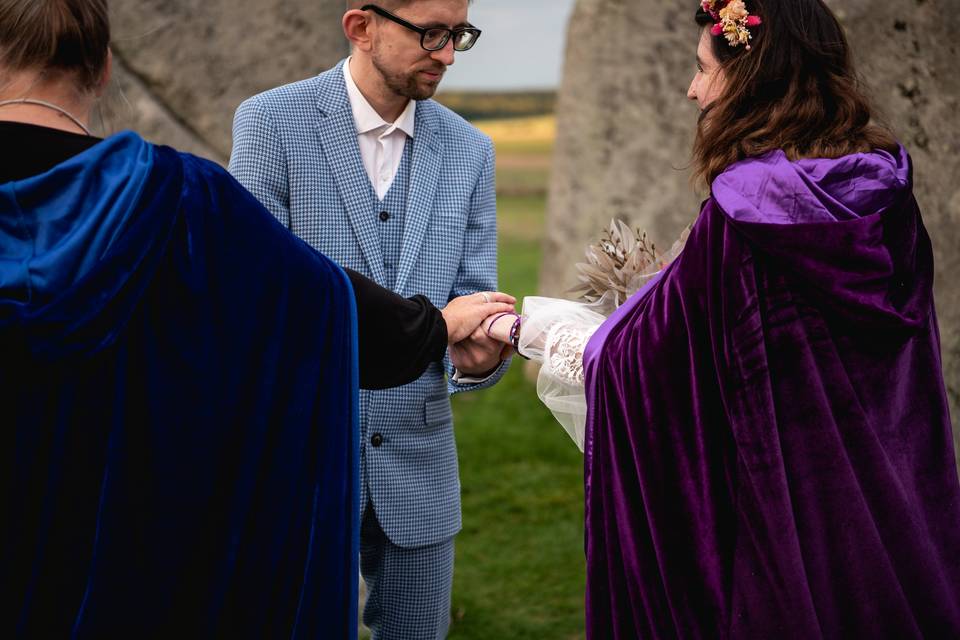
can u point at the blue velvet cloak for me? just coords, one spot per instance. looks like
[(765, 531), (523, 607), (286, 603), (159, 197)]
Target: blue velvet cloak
[(179, 407), (768, 447)]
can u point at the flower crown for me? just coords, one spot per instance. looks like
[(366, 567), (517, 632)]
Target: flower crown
[(731, 20)]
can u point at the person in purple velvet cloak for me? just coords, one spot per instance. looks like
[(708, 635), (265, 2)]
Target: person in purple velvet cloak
[(767, 440)]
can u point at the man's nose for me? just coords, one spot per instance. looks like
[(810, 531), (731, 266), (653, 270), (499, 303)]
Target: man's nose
[(446, 54)]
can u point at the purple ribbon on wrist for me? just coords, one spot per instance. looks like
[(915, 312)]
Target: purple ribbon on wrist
[(515, 336), (497, 317)]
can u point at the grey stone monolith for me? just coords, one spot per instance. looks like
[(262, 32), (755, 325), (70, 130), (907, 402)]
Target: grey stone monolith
[(625, 129), (183, 66)]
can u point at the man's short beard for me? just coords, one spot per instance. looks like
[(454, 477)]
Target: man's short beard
[(403, 85)]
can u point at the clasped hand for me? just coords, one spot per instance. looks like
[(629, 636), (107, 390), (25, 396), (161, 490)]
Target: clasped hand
[(472, 351)]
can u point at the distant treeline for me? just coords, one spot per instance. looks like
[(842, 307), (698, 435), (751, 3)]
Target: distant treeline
[(486, 105)]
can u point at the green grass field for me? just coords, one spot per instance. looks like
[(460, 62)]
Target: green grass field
[(519, 566)]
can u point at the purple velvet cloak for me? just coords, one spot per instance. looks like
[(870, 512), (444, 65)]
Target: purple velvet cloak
[(768, 449)]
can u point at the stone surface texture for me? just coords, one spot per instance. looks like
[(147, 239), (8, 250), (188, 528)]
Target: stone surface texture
[(183, 66), (624, 126), (625, 129)]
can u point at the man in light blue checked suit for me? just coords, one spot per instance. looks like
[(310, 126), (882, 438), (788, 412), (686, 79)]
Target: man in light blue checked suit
[(363, 166)]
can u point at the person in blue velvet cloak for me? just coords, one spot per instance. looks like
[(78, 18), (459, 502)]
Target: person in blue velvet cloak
[(178, 404), (180, 375)]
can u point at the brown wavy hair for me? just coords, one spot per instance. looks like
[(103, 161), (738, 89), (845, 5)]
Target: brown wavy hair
[(794, 90), (56, 36)]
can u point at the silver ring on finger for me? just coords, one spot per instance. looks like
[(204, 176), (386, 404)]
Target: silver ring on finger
[(486, 296)]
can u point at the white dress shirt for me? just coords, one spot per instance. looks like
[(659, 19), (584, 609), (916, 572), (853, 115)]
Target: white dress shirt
[(381, 149), (381, 142)]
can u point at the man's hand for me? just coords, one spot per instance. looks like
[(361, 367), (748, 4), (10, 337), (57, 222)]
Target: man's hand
[(463, 315), (478, 356)]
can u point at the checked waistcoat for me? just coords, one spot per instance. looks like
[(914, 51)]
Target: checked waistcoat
[(390, 214), (296, 149)]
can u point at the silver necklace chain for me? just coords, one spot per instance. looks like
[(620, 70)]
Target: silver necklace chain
[(49, 105)]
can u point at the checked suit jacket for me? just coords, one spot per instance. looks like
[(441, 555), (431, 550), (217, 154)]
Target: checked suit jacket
[(295, 148)]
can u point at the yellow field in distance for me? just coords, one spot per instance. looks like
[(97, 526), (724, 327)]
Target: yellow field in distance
[(533, 134)]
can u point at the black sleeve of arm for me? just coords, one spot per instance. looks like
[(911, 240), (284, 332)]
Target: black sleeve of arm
[(398, 337)]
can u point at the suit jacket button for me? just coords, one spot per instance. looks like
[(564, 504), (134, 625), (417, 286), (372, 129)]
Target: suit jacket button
[(384, 216), (376, 440)]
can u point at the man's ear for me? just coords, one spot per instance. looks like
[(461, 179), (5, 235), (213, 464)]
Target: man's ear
[(357, 27)]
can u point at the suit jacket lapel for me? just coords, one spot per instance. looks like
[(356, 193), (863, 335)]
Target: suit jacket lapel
[(338, 138), (424, 177)]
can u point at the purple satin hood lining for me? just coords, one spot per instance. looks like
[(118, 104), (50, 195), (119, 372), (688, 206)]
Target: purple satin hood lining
[(774, 190)]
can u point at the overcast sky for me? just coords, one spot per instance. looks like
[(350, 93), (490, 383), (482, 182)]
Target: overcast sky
[(521, 46)]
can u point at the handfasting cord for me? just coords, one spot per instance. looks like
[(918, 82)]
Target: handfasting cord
[(515, 336), (497, 317)]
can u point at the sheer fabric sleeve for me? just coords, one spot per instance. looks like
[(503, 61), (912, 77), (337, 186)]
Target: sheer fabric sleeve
[(554, 333)]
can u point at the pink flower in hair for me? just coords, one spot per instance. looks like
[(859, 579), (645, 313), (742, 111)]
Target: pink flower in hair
[(731, 20)]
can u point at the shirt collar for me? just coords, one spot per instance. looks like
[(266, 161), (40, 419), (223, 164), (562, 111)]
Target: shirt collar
[(366, 117)]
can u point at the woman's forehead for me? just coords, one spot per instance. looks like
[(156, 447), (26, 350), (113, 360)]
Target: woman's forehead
[(705, 47)]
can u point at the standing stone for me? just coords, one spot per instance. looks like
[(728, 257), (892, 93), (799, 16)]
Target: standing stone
[(130, 104), (624, 124), (183, 66), (624, 129)]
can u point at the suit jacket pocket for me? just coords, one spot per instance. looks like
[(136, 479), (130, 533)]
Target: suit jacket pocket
[(437, 411)]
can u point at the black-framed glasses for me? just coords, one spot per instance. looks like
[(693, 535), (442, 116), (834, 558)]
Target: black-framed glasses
[(433, 38)]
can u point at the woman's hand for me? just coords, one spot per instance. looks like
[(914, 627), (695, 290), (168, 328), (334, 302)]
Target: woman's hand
[(498, 326), (464, 315)]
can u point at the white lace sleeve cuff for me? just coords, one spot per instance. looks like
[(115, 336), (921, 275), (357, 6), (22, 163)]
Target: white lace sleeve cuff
[(563, 355), (555, 333)]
